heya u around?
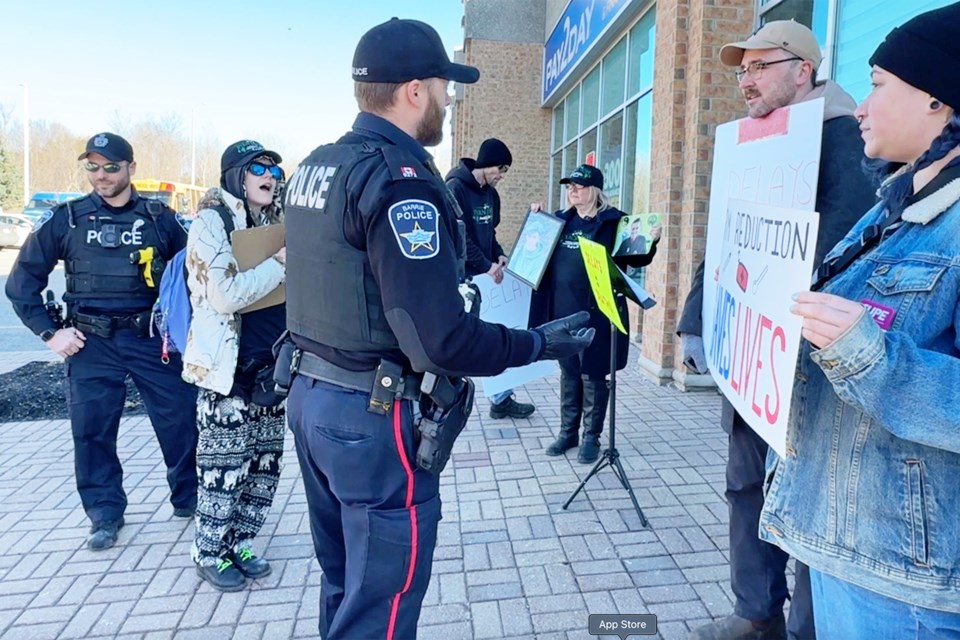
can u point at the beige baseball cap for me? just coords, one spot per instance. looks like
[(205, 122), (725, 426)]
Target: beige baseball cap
[(788, 35)]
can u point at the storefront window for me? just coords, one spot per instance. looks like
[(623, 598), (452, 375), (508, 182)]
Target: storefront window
[(636, 170), (811, 13), (611, 151), (590, 99), (556, 172), (614, 77), (558, 127), (588, 146), (641, 53), (572, 107)]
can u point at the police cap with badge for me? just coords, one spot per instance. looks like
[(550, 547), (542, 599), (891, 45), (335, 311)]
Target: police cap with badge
[(110, 146), (403, 50)]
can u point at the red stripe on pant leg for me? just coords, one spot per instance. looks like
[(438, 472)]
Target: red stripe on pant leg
[(412, 511)]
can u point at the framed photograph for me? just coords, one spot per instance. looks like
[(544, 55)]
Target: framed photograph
[(634, 235), (533, 247)]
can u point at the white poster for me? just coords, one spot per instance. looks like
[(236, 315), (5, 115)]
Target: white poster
[(754, 339), (508, 303), (765, 161)]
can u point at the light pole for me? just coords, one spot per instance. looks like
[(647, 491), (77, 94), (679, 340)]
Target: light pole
[(193, 146), (26, 143)]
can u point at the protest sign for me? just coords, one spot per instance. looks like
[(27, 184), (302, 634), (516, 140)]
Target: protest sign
[(508, 303), (772, 160), (634, 234), (754, 339), (607, 280)]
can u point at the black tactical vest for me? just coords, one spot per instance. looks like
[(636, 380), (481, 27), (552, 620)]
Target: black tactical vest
[(99, 244), (332, 296)]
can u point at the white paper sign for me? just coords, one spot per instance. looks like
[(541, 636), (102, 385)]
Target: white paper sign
[(508, 303), (754, 339), (771, 161)]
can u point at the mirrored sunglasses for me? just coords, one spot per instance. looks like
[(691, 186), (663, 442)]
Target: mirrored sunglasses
[(108, 167), (258, 170)]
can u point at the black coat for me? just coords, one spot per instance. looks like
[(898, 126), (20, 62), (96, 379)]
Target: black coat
[(595, 361)]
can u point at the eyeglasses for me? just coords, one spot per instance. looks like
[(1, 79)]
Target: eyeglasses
[(574, 187), (755, 69), (109, 167), (258, 170)]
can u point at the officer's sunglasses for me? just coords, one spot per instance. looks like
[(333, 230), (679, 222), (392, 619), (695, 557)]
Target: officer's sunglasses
[(258, 170), (109, 167)]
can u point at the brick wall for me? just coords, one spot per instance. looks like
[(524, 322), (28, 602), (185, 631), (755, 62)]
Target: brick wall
[(692, 93), (505, 104)]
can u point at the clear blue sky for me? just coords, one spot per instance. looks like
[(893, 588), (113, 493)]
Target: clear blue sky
[(278, 71)]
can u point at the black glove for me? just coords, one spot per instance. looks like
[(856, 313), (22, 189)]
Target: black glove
[(565, 337)]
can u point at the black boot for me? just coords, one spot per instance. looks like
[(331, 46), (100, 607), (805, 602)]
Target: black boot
[(571, 406), (596, 393)]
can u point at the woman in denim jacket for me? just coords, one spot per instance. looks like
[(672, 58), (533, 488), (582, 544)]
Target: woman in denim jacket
[(868, 494)]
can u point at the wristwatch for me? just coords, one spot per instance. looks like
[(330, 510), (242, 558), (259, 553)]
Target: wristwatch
[(46, 334)]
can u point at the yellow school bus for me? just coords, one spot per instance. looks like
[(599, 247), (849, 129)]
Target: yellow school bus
[(180, 197)]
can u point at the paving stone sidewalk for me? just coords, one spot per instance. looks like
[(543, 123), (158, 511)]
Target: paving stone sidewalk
[(510, 563)]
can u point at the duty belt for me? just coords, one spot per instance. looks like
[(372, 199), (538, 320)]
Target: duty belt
[(376, 382), (104, 325)]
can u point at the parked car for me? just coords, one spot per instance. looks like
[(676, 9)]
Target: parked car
[(44, 201), (14, 229)]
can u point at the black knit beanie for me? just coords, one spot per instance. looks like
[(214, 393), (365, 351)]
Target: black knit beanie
[(925, 53), (493, 153)]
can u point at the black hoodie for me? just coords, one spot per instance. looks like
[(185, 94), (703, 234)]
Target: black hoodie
[(481, 215)]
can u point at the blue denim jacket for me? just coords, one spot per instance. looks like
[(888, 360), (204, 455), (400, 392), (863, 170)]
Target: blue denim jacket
[(869, 491)]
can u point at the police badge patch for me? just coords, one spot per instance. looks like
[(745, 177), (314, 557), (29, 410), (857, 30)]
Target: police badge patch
[(416, 225), (44, 218)]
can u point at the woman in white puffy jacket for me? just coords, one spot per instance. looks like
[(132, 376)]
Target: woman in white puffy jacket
[(241, 427)]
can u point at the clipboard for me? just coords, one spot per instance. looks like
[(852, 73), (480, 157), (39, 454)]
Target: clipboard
[(253, 246)]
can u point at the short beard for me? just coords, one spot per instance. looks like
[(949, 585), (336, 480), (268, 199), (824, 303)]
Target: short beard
[(430, 128), (116, 190)]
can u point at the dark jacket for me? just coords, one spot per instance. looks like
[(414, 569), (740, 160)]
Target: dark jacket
[(844, 193), (595, 361), (481, 215)]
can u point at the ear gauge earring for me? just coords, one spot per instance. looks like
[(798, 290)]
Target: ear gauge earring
[(859, 119), (935, 104)]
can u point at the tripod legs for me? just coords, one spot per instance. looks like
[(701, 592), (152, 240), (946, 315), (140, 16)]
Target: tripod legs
[(611, 458)]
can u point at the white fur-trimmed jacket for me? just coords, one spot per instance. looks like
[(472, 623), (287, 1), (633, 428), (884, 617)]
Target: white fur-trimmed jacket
[(218, 290)]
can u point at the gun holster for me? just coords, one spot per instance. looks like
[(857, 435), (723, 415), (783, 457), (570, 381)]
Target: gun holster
[(445, 405), (288, 361)]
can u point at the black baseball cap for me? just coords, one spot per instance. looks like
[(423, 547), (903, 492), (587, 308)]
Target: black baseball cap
[(242, 152), (110, 146), (585, 176), (403, 50)]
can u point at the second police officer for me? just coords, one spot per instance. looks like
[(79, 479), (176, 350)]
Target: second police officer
[(101, 239), (372, 304)]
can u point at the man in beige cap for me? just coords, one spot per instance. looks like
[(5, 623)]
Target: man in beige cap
[(776, 67)]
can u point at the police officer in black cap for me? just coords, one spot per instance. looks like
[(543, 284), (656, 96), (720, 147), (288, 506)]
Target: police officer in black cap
[(113, 244), (373, 304)]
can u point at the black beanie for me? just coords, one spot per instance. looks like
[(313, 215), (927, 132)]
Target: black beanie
[(493, 153), (925, 53)]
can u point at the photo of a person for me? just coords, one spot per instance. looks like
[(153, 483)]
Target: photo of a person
[(631, 239), (532, 249)]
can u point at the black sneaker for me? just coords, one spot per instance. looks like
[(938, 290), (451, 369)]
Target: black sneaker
[(510, 408), (250, 565), (185, 512), (223, 576), (104, 535)]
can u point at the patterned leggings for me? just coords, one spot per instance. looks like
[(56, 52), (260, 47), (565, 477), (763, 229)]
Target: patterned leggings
[(239, 453)]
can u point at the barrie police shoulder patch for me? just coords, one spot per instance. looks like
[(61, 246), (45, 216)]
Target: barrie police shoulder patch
[(45, 217), (416, 225)]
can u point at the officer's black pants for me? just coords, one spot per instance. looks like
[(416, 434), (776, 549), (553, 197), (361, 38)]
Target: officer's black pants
[(373, 512), (756, 567), (95, 395)]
